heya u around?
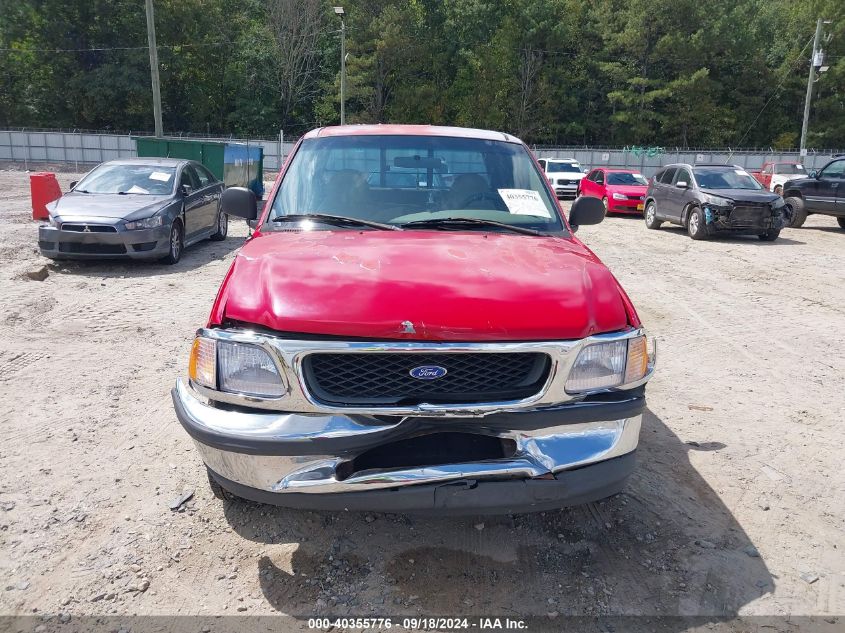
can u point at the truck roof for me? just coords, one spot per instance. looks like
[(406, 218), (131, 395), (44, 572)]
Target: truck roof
[(389, 129)]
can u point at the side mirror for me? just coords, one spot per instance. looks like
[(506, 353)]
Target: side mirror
[(239, 202), (73, 183), (586, 210), (813, 174), (682, 184), (186, 190)]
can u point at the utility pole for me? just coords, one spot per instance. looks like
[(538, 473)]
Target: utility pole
[(340, 13), (151, 41), (815, 61)]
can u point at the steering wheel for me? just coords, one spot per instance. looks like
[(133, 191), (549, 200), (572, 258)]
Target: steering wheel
[(483, 195)]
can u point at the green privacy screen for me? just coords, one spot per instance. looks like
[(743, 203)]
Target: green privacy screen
[(236, 164)]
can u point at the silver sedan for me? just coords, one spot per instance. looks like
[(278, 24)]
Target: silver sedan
[(143, 208)]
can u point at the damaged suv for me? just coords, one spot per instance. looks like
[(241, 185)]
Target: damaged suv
[(711, 199), (439, 342)]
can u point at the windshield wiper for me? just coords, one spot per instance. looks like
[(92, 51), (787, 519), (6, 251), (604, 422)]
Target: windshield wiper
[(81, 191), (448, 223), (339, 220)]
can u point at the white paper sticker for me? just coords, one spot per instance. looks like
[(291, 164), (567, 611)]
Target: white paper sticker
[(136, 189), (160, 175), (524, 202), (740, 172)]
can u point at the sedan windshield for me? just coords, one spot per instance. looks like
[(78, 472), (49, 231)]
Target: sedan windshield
[(558, 166), (626, 179), (416, 183), (152, 180), (725, 178)]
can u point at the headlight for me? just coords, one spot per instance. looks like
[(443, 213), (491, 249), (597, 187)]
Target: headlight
[(146, 223), (778, 204), (619, 196), (606, 365), (235, 368), (51, 220)]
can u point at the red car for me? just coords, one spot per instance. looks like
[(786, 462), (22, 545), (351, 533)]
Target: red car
[(621, 190), (440, 342)]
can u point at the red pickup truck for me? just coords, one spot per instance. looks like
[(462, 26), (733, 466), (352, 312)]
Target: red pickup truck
[(440, 342), (773, 174)]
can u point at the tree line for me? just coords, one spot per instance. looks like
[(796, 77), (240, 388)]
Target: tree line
[(686, 73)]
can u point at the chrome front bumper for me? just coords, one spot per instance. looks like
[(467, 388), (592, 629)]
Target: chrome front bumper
[(277, 452)]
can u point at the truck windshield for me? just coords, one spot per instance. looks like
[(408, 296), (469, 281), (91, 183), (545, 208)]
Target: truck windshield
[(725, 178), (789, 169), (558, 166), (153, 180), (405, 179)]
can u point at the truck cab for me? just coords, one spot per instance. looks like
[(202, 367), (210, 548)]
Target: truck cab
[(773, 174), (820, 192)]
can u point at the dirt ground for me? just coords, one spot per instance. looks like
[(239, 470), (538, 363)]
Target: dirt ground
[(737, 505)]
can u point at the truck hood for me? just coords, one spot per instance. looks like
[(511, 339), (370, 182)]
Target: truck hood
[(105, 205), (421, 285), (568, 175)]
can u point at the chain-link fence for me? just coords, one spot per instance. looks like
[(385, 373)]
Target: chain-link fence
[(83, 149), (647, 160)]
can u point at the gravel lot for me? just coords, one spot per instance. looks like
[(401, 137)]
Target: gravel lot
[(737, 505)]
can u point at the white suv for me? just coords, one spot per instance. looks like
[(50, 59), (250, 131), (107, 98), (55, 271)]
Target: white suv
[(564, 174)]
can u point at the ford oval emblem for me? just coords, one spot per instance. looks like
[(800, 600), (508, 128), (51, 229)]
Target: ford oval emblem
[(428, 372)]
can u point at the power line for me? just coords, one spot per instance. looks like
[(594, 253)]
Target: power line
[(143, 48), (775, 93), (107, 48)]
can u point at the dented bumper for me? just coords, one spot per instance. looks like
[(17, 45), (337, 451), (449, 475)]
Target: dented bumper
[(746, 218), (542, 458)]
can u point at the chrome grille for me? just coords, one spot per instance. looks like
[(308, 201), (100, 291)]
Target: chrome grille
[(89, 228), (385, 378)]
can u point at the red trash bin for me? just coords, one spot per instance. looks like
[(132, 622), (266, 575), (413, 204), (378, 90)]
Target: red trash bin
[(44, 189)]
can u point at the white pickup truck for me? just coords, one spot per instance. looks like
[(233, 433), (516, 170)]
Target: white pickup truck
[(564, 174)]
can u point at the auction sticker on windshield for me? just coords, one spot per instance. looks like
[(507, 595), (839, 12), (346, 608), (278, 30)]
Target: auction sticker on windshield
[(524, 202), (160, 175)]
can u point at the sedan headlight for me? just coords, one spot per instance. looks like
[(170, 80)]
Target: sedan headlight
[(606, 365), (235, 367), (619, 196), (146, 223)]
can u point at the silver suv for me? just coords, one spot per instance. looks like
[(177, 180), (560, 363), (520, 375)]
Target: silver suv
[(708, 199)]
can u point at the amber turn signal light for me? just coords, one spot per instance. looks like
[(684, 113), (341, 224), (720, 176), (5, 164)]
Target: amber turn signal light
[(202, 366)]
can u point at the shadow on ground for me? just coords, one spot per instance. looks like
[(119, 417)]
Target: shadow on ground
[(195, 256), (679, 231), (667, 546)]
